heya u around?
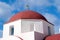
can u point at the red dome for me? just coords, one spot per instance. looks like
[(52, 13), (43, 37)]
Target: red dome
[(28, 14), (53, 37)]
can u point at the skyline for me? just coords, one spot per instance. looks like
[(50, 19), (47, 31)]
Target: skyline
[(48, 8)]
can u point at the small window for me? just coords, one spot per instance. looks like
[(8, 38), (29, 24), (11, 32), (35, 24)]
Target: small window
[(49, 31), (11, 30)]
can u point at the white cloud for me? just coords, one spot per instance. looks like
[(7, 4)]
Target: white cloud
[(50, 17), (5, 11), (53, 19), (32, 3), (35, 3), (38, 2), (57, 4), (57, 28)]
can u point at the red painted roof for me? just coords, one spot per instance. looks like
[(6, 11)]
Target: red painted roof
[(28, 14), (53, 37)]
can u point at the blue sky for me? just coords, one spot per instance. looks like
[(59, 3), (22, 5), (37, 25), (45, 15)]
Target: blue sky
[(49, 8)]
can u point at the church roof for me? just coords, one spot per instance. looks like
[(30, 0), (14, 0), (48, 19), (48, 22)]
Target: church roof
[(28, 14), (53, 37)]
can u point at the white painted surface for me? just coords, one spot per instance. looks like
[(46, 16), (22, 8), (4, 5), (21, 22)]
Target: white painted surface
[(28, 29), (0, 38), (28, 36), (45, 28), (11, 38), (59, 30), (17, 28), (32, 36), (31, 25)]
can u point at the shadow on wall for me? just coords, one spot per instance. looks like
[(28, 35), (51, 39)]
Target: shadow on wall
[(40, 36)]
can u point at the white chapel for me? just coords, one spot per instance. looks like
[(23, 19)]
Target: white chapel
[(27, 25)]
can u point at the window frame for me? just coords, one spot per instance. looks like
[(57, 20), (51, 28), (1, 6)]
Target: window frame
[(49, 30), (11, 32)]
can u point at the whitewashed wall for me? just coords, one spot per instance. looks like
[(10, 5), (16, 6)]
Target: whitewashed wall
[(45, 27), (28, 29), (17, 28)]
